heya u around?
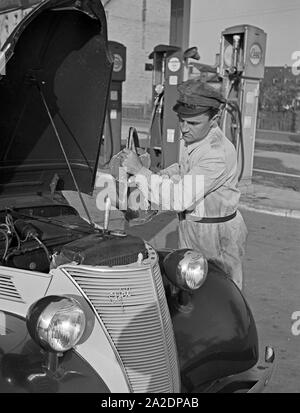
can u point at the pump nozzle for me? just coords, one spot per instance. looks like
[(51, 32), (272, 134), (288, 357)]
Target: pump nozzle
[(236, 46), (236, 41)]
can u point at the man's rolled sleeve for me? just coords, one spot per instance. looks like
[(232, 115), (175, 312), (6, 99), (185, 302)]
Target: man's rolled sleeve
[(173, 169)]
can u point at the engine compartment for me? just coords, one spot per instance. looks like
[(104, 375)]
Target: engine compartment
[(41, 238)]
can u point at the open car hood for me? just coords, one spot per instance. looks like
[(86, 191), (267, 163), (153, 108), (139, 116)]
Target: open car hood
[(58, 53)]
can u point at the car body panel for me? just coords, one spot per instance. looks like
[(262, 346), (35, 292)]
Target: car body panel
[(95, 346), (214, 329), (19, 288), (25, 368)]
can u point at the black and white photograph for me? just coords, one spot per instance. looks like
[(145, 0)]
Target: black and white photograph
[(149, 200)]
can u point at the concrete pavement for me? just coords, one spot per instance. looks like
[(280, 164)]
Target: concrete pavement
[(276, 199), (278, 136), (272, 289), (287, 159), (271, 200), (277, 142)]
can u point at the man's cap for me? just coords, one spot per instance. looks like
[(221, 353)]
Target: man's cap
[(197, 97)]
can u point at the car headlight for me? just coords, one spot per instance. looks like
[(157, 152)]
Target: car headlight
[(56, 323), (186, 268)]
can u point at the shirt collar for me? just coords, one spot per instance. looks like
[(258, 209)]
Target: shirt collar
[(203, 142)]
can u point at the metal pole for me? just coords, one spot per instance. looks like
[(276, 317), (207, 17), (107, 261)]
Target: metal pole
[(180, 23), (180, 35)]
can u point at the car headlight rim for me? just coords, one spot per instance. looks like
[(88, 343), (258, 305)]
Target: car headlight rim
[(186, 268), (56, 323)]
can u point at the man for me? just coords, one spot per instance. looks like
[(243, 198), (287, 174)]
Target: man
[(217, 230)]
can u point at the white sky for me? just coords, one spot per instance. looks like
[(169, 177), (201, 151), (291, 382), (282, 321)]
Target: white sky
[(280, 19)]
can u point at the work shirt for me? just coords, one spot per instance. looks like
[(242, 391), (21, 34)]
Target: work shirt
[(212, 161)]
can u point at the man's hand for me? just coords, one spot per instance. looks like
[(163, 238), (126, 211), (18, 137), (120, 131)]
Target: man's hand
[(131, 161)]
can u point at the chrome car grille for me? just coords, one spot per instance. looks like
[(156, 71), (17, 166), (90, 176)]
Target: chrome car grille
[(132, 306)]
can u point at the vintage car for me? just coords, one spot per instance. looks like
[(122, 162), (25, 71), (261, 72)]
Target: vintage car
[(83, 308)]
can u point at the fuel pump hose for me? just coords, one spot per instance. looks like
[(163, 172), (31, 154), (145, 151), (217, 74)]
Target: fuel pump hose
[(235, 107)]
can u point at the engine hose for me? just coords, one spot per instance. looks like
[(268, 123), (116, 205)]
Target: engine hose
[(10, 223), (235, 106), (4, 233), (43, 246)]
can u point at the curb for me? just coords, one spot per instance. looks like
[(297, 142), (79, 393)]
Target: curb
[(271, 142), (282, 212)]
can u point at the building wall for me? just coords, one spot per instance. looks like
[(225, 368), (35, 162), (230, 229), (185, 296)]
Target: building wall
[(139, 25)]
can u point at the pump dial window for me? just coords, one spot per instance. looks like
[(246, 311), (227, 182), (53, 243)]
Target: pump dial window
[(228, 55)]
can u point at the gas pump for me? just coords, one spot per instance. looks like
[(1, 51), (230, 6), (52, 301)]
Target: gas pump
[(239, 72), (242, 59), (164, 129), (113, 121)]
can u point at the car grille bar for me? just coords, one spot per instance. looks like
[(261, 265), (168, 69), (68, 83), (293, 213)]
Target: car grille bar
[(131, 302)]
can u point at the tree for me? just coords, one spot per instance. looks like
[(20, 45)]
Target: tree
[(277, 97)]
